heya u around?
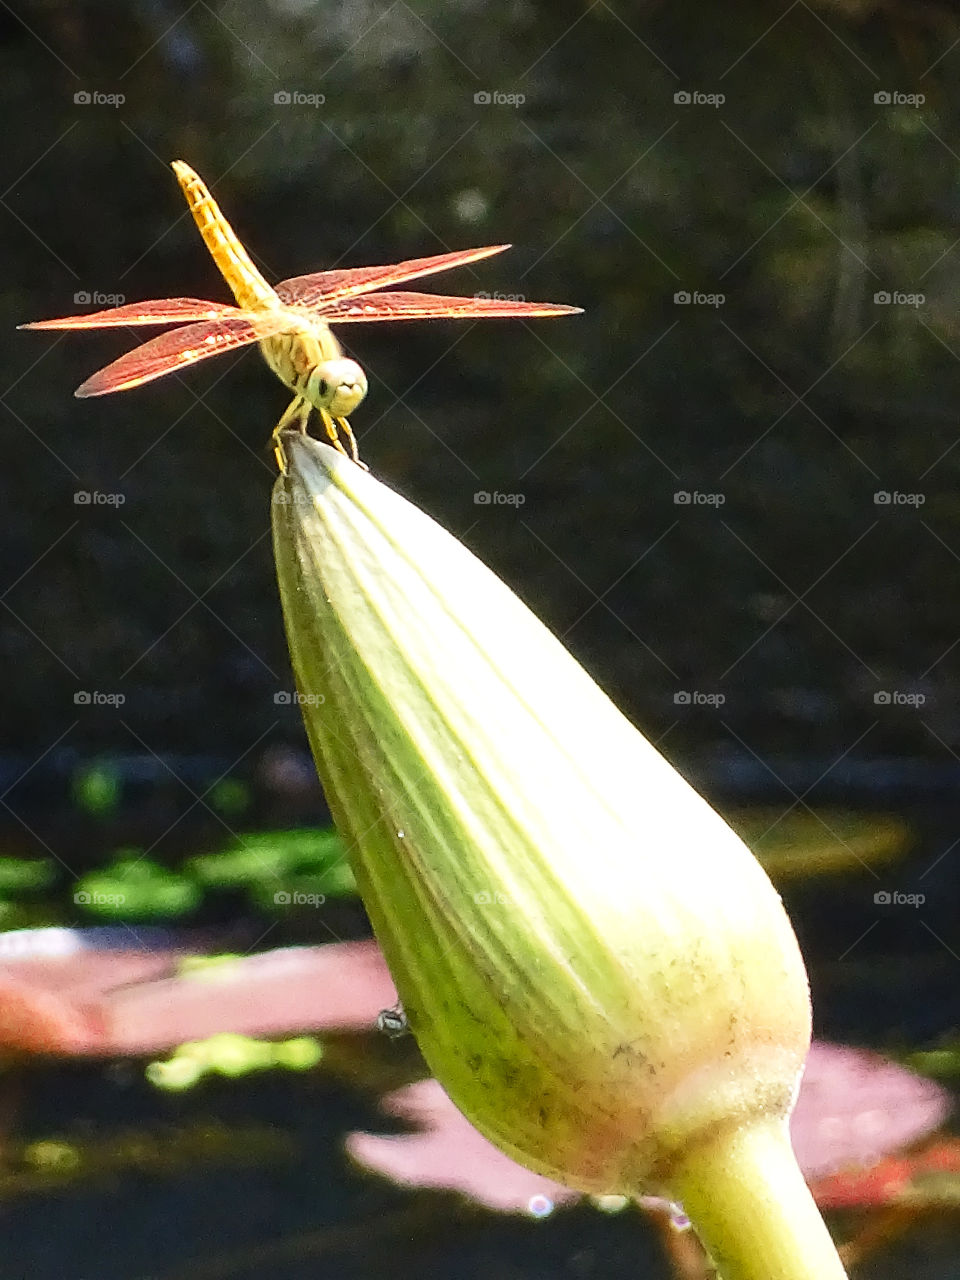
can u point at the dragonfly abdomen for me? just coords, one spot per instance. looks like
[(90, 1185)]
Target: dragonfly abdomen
[(248, 285)]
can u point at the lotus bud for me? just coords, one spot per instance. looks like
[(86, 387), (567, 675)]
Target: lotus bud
[(595, 967)]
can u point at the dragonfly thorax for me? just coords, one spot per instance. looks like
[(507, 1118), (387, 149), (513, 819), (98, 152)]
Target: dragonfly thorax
[(335, 385), (309, 360)]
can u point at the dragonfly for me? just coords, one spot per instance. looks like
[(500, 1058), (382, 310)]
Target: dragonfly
[(292, 322)]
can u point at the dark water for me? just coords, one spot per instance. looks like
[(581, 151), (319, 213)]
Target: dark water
[(248, 1179)]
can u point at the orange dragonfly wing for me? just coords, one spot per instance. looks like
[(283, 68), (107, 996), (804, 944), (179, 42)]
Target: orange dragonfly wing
[(324, 287), (434, 306), (157, 311), (180, 348)]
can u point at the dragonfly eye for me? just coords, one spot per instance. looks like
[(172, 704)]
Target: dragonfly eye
[(337, 386)]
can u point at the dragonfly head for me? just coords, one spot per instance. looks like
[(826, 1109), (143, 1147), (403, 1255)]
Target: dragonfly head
[(337, 386)]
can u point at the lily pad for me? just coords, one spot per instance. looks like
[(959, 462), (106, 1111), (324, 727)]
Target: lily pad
[(804, 842), (25, 875), (134, 887), (268, 862)]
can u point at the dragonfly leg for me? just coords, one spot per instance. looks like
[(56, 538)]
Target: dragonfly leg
[(297, 413), (347, 430), (298, 408), (334, 426)]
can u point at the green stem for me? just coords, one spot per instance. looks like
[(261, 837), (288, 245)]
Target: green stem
[(747, 1199)]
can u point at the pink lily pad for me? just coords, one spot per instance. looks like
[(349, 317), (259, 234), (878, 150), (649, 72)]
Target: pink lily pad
[(74, 1001), (854, 1107), (448, 1153)]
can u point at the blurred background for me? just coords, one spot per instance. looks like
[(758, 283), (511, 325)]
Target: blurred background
[(731, 486)]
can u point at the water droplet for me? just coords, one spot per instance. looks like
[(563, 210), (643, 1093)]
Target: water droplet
[(657, 1204), (610, 1203), (678, 1219), (540, 1206)]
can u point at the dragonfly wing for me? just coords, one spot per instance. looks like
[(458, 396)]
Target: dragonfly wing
[(157, 311), (433, 306), (325, 287), (178, 349)]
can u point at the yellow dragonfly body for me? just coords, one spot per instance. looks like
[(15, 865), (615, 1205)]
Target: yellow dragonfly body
[(291, 322), (304, 355)]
